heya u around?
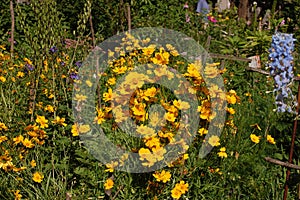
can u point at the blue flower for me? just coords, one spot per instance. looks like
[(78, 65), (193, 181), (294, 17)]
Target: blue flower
[(281, 68)]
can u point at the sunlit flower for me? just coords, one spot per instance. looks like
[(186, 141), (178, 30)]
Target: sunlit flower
[(74, 130), (59, 121), (49, 108), (230, 110), (3, 127), (84, 128), (42, 121), (254, 138), (80, 97), (214, 141), (109, 183), (148, 51), (163, 176), (145, 130), (179, 189), (222, 153), (3, 138), (27, 143), (18, 139), (111, 81), (38, 177), (110, 166), (182, 105), (107, 96), (270, 139), (202, 131), (170, 117), (32, 163), (20, 74), (161, 58), (17, 194)]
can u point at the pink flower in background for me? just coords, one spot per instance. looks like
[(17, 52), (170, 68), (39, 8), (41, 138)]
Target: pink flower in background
[(9, 39), (212, 19), (187, 18), (186, 5), (282, 23)]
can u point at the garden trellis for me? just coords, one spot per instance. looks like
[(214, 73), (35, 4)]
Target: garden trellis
[(281, 68)]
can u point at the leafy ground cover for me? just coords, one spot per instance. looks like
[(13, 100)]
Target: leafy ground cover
[(42, 155)]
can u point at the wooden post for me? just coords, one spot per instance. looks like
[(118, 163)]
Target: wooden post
[(288, 172), (129, 18), (243, 9), (12, 15)]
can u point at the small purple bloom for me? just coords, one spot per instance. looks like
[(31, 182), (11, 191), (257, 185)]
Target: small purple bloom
[(74, 75), (29, 67), (53, 49), (78, 64), (62, 63)]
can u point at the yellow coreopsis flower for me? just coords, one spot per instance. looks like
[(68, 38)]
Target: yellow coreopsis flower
[(33, 163), (80, 97), (111, 81), (20, 74), (254, 138), (38, 177), (179, 189), (59, 121), (100, 118), (214, 141), (27, 143), (3, 138), (170, 117), (202, 131), (49, 108), (181, 104), (163, 176), (109, 183), (149, 50), (42, 121), (161, 58), (230, 110), (74, 130), (107, 96), (222, 153), (17, 194), (18, 139), (270, 139), (3, 127), (175, 193), (145, 130), (84, 128)]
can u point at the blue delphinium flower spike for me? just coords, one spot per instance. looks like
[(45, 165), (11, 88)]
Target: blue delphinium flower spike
[(281, 69)]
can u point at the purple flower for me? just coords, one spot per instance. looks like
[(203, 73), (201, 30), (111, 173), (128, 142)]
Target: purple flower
[(29, 67), (53, 49), (78, 64), (74, 75)]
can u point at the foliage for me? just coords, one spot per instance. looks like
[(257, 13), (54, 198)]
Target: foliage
[(41, 155)]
